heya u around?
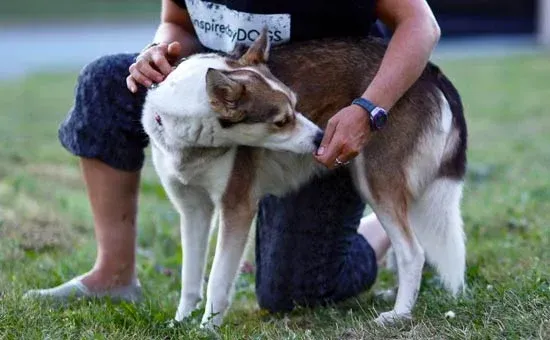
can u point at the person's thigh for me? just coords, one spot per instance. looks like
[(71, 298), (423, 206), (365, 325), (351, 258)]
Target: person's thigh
[(308, 250), (105, 120)]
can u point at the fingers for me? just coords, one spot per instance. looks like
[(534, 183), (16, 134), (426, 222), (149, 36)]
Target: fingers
[(144, 67), (159, 56), (347, 153), (330, 148), (329, 133), (174, 50), (139, 77), (339, 152), (131, 84), (151, 66), (329, 159), (336, 148), (162, 64)]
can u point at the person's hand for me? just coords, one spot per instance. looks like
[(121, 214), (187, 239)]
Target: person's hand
[(346, 134), (153, 65)]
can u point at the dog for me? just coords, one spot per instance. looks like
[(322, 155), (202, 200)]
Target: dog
[(226, 130)]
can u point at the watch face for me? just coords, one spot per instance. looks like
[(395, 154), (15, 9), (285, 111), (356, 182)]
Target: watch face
[(380, 118)]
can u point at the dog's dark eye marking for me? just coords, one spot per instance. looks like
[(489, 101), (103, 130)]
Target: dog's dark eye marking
[(272, 112), (226, 123), (281, 123)]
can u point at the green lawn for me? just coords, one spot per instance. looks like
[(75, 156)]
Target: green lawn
[(46, 235), (77, 11)]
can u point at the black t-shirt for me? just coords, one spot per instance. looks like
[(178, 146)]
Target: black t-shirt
[(220, 24)]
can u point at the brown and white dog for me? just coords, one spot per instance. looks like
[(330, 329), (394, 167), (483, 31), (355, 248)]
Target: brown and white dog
[(225, 132)]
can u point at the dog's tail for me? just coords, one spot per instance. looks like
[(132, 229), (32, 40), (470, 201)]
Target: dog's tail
[(440, 230), (454, 166), (436, 220)]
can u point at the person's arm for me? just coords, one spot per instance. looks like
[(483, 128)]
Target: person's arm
[(176, 26), (415, 35), (174, 38)]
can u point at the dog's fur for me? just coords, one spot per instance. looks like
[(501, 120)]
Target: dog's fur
[(225, 132)]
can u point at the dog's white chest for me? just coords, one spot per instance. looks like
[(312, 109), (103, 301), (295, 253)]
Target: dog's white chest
[(208, 168)]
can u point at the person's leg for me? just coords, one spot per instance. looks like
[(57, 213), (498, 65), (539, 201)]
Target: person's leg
[(113, 196), (103, 128), (374, 233), (308, 250)]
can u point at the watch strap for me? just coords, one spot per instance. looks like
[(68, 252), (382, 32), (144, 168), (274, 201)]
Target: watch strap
[(365, 104)]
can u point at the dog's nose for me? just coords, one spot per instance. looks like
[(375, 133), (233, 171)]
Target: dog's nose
[(318, 139)]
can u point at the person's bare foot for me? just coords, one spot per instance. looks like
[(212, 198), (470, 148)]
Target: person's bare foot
[(93, 285), (113, 197), (101, 279)]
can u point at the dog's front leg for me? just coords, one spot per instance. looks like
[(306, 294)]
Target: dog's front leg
[(196, 218), (232, 236), (196, 210)]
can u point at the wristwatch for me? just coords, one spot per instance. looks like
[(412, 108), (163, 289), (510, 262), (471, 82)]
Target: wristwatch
[(378, 116)]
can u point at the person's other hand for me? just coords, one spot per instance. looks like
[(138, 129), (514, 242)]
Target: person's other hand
[(345, 136), (153, 65)]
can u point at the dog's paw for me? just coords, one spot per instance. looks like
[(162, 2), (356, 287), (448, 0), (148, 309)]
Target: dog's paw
[(392, 318), (211, 321), (209, 329), (186, 308), (209, 326), (184, 313)]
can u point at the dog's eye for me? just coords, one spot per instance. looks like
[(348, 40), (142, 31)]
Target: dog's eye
[(281, 123)]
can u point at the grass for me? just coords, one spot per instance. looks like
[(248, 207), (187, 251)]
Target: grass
[(46, 235), (31, 11)]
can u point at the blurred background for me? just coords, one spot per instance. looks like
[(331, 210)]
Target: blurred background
[(69, 33), (496, 52)]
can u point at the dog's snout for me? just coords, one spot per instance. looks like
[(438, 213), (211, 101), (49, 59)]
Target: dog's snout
[(318, 139)]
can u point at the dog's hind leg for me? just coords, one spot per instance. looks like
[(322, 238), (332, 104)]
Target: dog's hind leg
[(410, 260), (390, 202), (436, 220), (392, 212), (233, 231), (196, 210)]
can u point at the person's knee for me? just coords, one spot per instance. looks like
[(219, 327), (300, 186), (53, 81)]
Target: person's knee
[(358, 270), (104, 71), (104, 122), (273, 302)]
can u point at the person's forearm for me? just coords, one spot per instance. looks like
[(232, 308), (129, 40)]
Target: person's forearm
[(168, 32), (406, 57)]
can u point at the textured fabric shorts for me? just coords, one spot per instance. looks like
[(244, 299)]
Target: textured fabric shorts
[(104, 122), (308, 249)]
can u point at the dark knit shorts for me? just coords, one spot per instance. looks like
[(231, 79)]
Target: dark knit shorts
[(104, 122), (308, 250)]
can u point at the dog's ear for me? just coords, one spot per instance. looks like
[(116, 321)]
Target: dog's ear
[(224, 94), (238, 51), (258, 52)]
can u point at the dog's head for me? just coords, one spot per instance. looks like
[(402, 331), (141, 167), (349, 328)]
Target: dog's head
[(230, 101)]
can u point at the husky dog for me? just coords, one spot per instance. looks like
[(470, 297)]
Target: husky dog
[(226, 131)]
